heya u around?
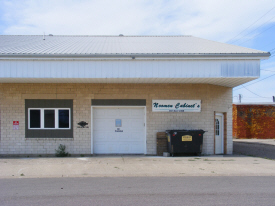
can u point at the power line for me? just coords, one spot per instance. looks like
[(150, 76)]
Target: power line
[(270, 57), (256, 82), (257, 34), (254, 92), (267, 70), (250, 25), (268, 44)]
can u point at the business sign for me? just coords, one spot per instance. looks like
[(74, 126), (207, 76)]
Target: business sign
[(15, 125), (176, 105)]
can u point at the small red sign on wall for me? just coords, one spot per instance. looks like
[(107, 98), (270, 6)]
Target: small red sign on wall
[(15, 125)]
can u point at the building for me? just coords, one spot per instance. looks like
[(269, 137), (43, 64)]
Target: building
[(254, 120), (112, 94)]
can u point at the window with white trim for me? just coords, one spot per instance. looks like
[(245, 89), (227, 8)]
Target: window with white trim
[(49, 118)]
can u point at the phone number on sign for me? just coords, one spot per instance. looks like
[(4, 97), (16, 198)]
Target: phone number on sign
[(176, 110)]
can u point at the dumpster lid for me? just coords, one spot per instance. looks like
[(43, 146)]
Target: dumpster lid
[(186, 130)]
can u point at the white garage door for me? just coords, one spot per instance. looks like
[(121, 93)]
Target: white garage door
[(118, 130)]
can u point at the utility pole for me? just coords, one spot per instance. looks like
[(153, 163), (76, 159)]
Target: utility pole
[(273, 98), (240, 98)]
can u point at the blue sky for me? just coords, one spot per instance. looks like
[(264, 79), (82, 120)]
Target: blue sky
[(250, 23)]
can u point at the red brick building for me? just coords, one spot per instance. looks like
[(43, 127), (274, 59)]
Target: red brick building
[(254, 121)]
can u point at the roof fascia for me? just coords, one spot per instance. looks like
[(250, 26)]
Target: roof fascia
[(145, 56)]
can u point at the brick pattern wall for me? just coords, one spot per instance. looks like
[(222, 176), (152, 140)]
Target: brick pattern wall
[(214, 98), (253, 121)]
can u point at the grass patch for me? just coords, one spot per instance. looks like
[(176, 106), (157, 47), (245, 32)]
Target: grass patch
[(250, 155), (208, 160), (268, 158), (191, 160), (228, 160)]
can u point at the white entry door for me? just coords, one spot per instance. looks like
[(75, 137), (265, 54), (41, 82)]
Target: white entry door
[(219, 134), (118, 130)]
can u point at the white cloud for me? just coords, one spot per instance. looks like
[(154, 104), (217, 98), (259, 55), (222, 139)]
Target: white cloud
[(214, 19)]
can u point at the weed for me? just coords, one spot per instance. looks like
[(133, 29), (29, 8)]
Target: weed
[(268, 158), (39, 155), (228, 160), (197, 158), (191, 160), (116, 167), (61, 151), (82, 155), (22, 174), (208, 160), (251, 155)]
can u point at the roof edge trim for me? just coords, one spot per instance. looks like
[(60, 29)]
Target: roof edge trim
[(219, 55)]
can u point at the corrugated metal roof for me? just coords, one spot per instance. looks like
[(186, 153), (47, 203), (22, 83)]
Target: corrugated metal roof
[(28, 45)]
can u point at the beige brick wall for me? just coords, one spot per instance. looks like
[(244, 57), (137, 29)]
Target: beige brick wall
[(12, 107)]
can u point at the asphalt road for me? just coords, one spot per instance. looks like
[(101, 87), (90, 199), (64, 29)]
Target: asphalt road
[(254, 149), (139, 191)]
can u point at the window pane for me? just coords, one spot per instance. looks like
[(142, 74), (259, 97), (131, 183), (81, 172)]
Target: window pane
[(63, 118), (49, 119), (217, 127), (35, 118)]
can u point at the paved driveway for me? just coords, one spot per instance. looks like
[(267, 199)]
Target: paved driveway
[(255, 147)]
